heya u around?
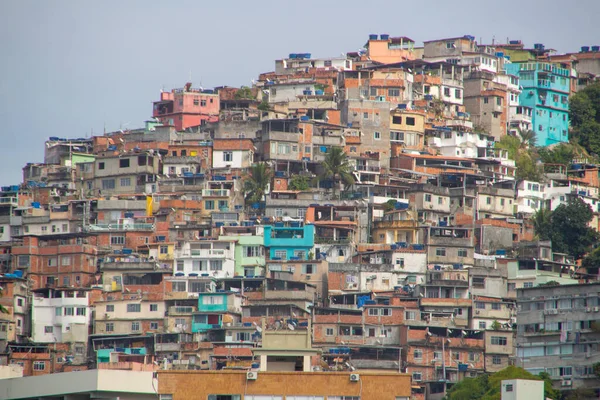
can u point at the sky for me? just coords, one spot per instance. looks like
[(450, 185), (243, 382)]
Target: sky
[(75, 68)]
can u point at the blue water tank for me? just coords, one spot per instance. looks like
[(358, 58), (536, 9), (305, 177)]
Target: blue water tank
[(384, 36), (499, 54), (293, 55), (401, 106), (585, 49), (595, 48), (304, 118), (372, 37), (319, 92), (514, 42)]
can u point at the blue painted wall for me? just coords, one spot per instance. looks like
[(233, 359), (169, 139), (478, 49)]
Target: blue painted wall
[(546, 91)]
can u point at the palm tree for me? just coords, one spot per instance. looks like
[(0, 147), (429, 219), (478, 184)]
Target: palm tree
[(256, 182), (337, 167), (528, 138)]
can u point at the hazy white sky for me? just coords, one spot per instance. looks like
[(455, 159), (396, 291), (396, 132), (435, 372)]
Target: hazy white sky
[(69, 68)]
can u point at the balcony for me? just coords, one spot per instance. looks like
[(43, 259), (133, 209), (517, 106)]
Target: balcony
[(136, 264), (205, 253), (330, 240), (168, 347), (9, 201), (368, 168), (120, 227), (216, 192)]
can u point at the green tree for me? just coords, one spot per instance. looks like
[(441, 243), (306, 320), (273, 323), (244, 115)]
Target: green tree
[(3, 310), (510, 143), (584, 117), (489, 388), (244, 93), (337, 167), (299, 182), (256, 182), (527, 166), (528, 138), (592, 259), (559, 154), (567, 227), (263, 106)]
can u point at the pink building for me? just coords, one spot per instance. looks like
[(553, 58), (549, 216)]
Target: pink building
[(187, 107)]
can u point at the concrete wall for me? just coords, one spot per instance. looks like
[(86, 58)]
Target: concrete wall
[(190, 385), (121, 384)]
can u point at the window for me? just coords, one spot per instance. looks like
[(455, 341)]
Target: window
[(153, 307), (153, 325), (196, 102), (216, 265), (69, 311), (440, 252), (373, 311), (134, 307), (394, 92), (480, 305), (110, 308), (462, 252), (39, 365), (252, 251), (209, 205), (397, 120), (478, 281), (440, 200), (400, 262), (52, 262), (124, 163), (410, 315), (125, 182), (418, 354), (416, 376), (428, 198), (308, 269), (447, 92), (100, 165), (179, 266), (281, 254), (482, 325), (301, 212), (509, 387), (450, 45), (81, 311), (486, 100), (58, 311), (377, 135), (527, 285), (135, 326), (496, 306), (457, 93), (499, 340), (437, 355), (397, 136), (228, 156), (110, 327), (65, 260), (178, 286), (118, 240), (329, 332), (365, 115), (499, 101), (48, 329), (164, 249), (410, 121), (203, 103)]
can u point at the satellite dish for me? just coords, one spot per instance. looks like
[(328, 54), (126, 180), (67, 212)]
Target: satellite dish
[(291, 327), (258, 329)]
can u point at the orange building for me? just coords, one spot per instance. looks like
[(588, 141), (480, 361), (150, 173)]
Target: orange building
[(235, 385)]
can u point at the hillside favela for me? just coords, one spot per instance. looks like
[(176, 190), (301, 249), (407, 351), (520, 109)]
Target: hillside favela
[(406, 221)]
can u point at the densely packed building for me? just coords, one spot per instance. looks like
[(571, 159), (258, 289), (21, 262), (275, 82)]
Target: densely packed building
[(220, 236)]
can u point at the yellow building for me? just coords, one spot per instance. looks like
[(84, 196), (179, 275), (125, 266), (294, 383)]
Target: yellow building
[(407, 128)]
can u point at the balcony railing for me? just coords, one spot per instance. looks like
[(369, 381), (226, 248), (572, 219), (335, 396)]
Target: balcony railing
[(121, 227), (216, 192), (8, 200)]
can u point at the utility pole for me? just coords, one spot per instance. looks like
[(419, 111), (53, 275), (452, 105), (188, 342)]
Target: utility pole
[(444, 363)]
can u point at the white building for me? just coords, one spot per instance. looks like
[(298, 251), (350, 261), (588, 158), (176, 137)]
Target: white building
[(452, 143), (214, 258), (60, 316), (96, 383), (530, 197), (516, 389)]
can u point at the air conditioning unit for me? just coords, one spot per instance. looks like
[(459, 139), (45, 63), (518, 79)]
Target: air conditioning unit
[(554, 312), (354, 377), (251, 376), (596, 309), (566, 383), (477, 312), (588, 309)]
